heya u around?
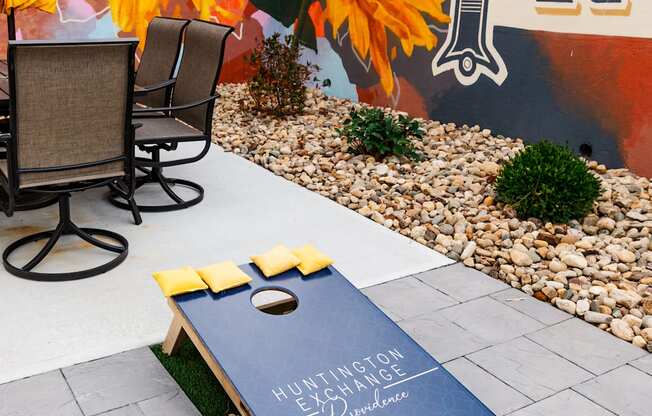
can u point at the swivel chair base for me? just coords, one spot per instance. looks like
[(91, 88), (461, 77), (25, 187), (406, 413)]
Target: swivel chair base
[(155, 175), (65, 227)]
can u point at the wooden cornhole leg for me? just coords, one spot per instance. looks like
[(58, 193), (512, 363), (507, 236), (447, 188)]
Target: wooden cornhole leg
[(179, 330), (175, 337)]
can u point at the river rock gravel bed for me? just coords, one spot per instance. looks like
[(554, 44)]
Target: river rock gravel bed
[(599, 269)]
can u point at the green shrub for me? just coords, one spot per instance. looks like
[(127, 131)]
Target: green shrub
[(372, 131), (279, 84), (548, 182)]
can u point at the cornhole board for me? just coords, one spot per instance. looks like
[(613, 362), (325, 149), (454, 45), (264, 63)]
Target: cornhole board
[(337, 354)]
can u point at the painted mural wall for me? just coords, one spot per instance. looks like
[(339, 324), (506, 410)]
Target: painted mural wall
[(572, 71)]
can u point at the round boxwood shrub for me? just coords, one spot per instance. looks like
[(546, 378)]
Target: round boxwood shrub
[(548, 182)]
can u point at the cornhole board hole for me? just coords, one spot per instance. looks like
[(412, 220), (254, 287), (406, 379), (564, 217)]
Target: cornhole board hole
[(336, 354)]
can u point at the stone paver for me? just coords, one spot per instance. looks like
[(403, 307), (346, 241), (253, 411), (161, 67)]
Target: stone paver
[(490, 320), (461, 283), (644, 364), (442, 338), (625, 391), (42, 395), (566, 402), (530, 368), (169, 404), (587, 346), (495, 394), (130, 410), (532, 307), (391, 297), (118, 381)]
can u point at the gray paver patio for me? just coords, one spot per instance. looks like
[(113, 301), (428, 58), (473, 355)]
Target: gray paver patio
[(128, 384), (442, 338), (532, 307), (587, 346), (118, 381), (566, 402), (519, 357), (391, 296), (530, 368), (524, 357), (495, 394), (45, 394), (624, 391), (644, 364), (175, 403), (130, 410), (455, 282), (491, 320)]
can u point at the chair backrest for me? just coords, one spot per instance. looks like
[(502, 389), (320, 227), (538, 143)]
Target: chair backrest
[(159, 58), (70, 109), (199, 71)]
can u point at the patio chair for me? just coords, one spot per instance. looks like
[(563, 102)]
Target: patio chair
[(71, 130), (189, 119), (154, 78)]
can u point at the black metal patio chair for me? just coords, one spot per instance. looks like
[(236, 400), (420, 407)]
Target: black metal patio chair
[(71, 130), (188, 119), (154, 79)]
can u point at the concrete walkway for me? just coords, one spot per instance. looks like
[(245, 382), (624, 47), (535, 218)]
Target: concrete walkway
[(520, 356), (247, 210)]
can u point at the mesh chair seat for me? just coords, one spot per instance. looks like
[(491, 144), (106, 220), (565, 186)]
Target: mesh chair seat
[(162, 129)]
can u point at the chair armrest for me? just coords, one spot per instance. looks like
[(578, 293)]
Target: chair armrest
[(175, 108), (155, 87)]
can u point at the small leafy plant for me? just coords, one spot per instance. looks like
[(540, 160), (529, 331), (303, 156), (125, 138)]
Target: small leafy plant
[(372, 131), (279, 84), (548, 182)]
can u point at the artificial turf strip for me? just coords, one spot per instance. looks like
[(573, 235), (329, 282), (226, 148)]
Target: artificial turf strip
[(190, 371)]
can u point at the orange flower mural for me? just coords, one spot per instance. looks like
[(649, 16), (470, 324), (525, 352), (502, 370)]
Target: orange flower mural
[(134, 15), (228, 12), (368, 23), (49, 6)]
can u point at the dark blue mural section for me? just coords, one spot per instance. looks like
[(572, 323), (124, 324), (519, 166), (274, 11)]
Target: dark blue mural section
[(525, 105)]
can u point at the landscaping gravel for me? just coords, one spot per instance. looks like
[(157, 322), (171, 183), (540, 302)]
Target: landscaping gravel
[(599, 269)]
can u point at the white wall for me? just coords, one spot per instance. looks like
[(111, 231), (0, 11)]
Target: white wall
[(523, 14)]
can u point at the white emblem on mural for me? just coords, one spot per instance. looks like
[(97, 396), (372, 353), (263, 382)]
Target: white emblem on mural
[(469, 50)]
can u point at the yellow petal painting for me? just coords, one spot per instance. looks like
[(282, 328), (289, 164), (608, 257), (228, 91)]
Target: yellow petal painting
[(368, 23), (49, 6), (134, 15), (228, 12)]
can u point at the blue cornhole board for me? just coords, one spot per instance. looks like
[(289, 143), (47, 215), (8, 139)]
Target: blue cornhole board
[(337, 354)]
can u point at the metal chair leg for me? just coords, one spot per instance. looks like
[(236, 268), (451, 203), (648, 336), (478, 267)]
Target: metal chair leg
[(53, 238), (66, 227), (155, 175), (117, 192), (135, 211)]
